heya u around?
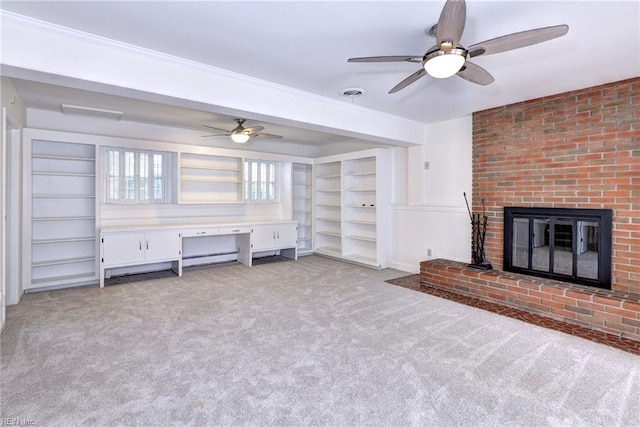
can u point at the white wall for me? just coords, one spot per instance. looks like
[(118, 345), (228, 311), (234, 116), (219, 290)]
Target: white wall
[(432, 221), (13, 120)]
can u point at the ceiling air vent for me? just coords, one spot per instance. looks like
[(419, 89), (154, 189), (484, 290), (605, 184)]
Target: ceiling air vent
[(352, 92), (91, 112)]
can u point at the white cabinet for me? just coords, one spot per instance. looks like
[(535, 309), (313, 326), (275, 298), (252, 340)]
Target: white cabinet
[(126, 248), (352, 206), (271, 237), (120, 249), (60, 207)]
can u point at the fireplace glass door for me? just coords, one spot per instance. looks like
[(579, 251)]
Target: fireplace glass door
[(573, 245)]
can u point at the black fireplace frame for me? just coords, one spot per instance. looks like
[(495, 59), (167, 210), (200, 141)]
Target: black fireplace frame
[(602, 216)]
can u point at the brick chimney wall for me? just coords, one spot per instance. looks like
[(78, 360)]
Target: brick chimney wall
[(579, 149)]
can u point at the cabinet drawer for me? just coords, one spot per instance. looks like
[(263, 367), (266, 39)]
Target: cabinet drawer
[(235, 230), (195, 232)]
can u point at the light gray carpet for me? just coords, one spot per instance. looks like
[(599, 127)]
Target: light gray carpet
[(311, 342)]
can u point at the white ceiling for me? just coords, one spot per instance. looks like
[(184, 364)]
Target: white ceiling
[(305, 45)]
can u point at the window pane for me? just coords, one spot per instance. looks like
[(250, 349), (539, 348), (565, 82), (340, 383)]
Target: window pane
[(254, 181), (588, 232), (540, 256), (114, 175), (129, 175), (272, 181), (263, 181), (520, 249), (246, 180), (144, 175), (563, 251), (158, 179)]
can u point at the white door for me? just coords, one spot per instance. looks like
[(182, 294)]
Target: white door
[(122, 248), (287, 235), (263, 238), (162, 245)]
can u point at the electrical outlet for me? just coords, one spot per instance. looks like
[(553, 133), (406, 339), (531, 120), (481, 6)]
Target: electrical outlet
[(426, 165), (428, 252)]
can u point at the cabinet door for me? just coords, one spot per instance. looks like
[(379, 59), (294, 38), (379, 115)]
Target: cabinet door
[(162, 245), (287, 235), (263, 238), (122, 248)]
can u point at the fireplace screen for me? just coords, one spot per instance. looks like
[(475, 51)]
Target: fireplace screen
[(566, 244)]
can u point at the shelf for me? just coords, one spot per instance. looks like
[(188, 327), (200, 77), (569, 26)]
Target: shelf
[(360, 206), (329, 219), (301, 211), (54, 157), (358, 221), (329, 233), (210, 168), (209, 202), (328, 191), (329, 176), (362, 259), (363, 190), (328, 250), (63, 261), (86, 175), (66, 240), (324, 205), (302, 184), (364, 238), (209, 179), (65, 218), (69, 278), (61, 196), (360, 174)]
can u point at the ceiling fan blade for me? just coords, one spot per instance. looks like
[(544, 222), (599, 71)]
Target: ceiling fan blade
[(265, 136), (253, 129), (517, 40), (216, 134), (411, 79), (211, 127), (476, 74), (397, 58), (451, 22)]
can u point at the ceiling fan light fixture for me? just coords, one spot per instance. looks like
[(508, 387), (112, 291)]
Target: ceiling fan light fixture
[(441, 64), (240, 138)]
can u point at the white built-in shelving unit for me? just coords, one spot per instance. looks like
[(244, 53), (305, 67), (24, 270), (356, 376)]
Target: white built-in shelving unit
[(360, 206), (328, 209), (302, 181), (210, 179), (63, 227), (353, 196)]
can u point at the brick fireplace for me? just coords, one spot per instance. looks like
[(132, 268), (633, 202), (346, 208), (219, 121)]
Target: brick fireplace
[(574, 150)]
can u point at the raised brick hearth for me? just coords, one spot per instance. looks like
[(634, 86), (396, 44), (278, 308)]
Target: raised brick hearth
[(613, 312)]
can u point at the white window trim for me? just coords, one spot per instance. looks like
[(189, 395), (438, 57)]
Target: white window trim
[(247, 179), (166, 177)]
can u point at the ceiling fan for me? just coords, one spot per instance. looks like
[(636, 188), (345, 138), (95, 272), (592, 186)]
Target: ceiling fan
[(242, 135), (449, 57)]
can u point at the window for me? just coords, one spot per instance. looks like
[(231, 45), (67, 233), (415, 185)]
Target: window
[(136, 176), (260, 181)]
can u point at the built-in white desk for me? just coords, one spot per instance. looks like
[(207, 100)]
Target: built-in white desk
[(125, 246)]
